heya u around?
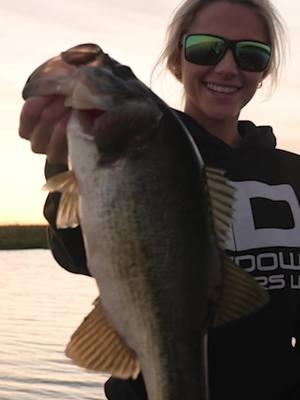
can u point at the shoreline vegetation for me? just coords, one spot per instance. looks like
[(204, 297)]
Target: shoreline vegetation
[(20, 237)]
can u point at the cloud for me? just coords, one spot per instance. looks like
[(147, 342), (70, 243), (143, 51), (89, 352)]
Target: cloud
[(132, 31)]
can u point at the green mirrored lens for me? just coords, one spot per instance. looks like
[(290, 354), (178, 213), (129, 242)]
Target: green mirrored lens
[(203, 49), (253, 56)]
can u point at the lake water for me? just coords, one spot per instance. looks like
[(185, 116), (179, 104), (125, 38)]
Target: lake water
[(40, 306)]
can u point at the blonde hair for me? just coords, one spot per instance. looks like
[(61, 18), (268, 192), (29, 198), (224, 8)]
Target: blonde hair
[(185, 14)]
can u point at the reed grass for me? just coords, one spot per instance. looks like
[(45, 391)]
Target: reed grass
[(13, 237)]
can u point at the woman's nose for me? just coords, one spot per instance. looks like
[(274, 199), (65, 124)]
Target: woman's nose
[(227, 65)]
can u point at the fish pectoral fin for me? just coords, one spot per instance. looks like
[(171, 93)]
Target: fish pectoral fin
[(66, 183), (97, 346), (242, 294), (221, 194)]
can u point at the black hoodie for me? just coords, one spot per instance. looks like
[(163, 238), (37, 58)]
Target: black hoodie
[(251, 358)]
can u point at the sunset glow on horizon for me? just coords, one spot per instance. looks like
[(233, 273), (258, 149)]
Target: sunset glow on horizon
[(132, 32)]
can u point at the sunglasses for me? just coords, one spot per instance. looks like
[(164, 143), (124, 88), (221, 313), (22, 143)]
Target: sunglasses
[(205, 49)]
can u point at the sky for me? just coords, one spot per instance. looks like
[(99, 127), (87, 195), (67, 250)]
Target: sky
[(131, 31)]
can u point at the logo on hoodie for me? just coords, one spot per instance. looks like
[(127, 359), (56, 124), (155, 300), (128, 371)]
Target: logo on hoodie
[(265, 235)]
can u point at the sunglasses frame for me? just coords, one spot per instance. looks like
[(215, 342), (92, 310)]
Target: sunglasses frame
[(229, 44)]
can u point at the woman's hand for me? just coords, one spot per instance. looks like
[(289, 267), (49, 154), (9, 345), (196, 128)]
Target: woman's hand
[(43, 121)]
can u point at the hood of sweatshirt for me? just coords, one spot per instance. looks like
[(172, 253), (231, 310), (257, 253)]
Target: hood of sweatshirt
[(218, 153), (251, 135)]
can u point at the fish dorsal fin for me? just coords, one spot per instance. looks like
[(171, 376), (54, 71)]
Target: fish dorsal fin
[(221, 195), (241, 294), (96, 345), (66, 183)]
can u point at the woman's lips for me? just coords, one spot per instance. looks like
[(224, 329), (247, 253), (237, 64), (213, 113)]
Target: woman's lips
[(221, 88)]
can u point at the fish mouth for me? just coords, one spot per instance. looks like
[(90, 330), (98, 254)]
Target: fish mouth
[(87, 119), (126, 131)]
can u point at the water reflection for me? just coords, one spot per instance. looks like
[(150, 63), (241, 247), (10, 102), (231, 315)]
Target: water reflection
[(40, 307)]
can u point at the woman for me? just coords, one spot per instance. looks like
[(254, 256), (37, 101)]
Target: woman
[(221, 52)]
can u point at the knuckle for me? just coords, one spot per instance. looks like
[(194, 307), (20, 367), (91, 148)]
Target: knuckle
[(39, 143), (47, 115), (32, 108), (38, 147), (23, 134), (28, 114)]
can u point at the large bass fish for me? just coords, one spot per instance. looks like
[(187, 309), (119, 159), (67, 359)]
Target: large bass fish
[(154, 219)]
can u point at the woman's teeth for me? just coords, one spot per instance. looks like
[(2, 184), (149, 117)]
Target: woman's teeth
[(220, 88)]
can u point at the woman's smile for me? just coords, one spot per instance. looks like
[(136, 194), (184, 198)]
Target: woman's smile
[(221, 88)]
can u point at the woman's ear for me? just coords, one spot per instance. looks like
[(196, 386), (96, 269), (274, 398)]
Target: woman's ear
[(177, 74), (177, 69)]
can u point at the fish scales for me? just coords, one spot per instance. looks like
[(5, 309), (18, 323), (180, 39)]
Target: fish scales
[(148, 234)]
